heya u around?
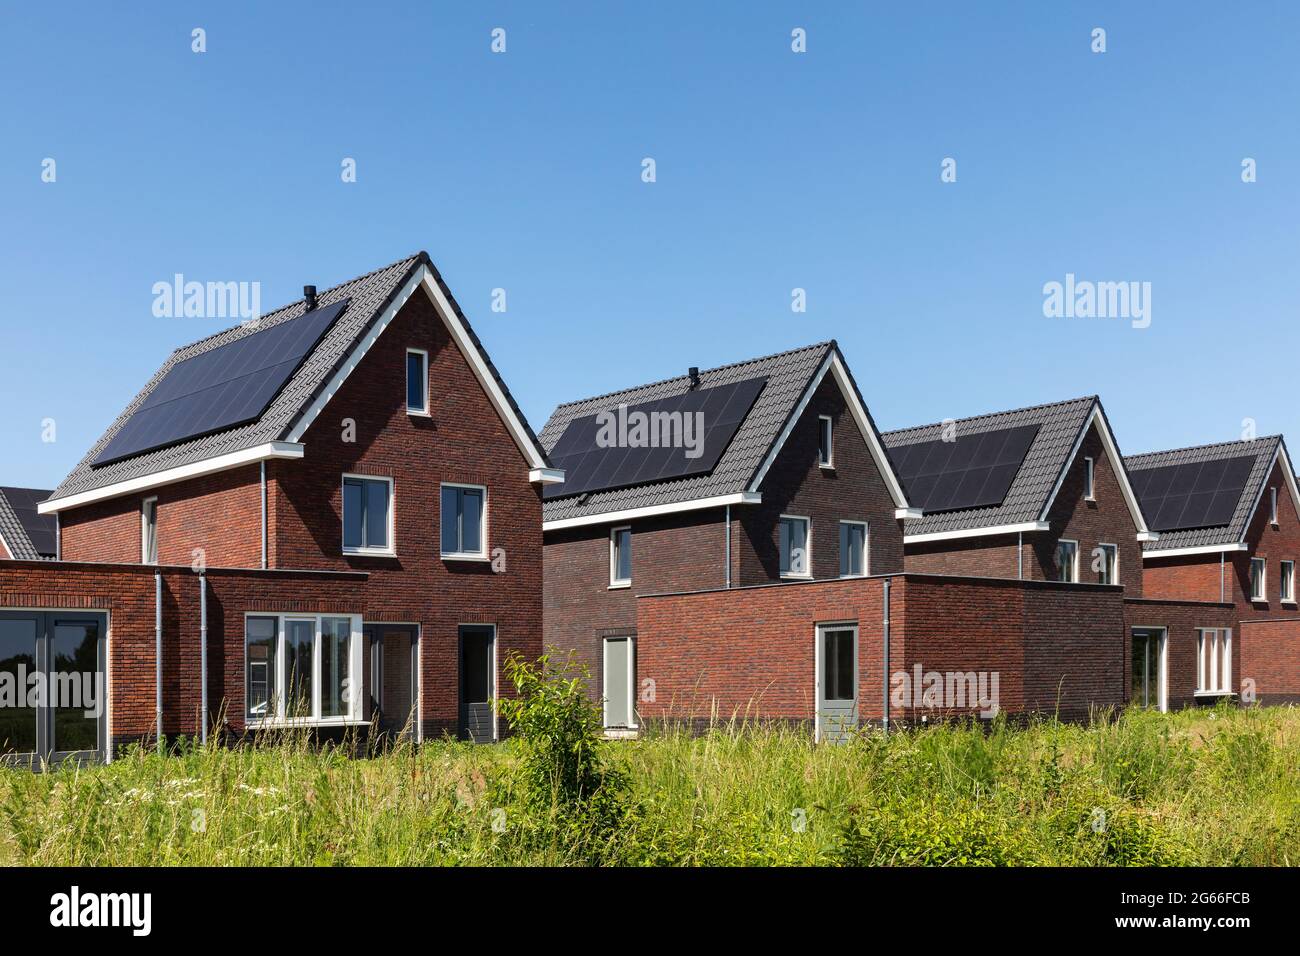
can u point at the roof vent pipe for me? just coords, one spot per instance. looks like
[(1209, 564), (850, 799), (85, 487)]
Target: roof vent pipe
[(309, 296), (694, 373)]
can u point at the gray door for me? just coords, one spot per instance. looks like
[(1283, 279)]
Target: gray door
[(477, 682), (394, 683), (618, 681), (837, 682)]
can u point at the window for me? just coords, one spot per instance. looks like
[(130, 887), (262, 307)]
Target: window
[(793, 546), (1288, 581), (1213, 661), (1272, 509), (367, 515), (300, 667), (825, 442), (1067, 561), (853, 549), (149, 531), (1258, 572), (1106, 563), (1089, 490), (838, 666), (464, 521), (620, 557), (417, 381)]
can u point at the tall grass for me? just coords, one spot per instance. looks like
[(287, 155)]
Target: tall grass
[(1206, 787)]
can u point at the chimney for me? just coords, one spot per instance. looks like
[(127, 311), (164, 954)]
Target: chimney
[(694, 373), (309, 296)]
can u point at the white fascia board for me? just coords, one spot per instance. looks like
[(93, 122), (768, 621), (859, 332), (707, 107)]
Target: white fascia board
[(208, 466), (1201, 549), (546, 476), (1149, 536), (908, 513), (1288, 471), (651, 511), (5, 551), (1117, 466), (833, 365), (977, 532)]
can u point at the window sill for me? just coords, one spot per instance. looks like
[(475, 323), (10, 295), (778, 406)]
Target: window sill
[(368, 553), (796, 577), (853, 577), (1214, 693), (285, 723), (1288, 603), (620, 585), (416, 413), (825, 467), (465, 557)]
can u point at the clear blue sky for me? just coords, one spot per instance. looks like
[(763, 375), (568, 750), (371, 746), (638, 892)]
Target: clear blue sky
[(775, 171)]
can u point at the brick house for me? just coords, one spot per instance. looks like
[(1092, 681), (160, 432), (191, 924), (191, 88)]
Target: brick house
[(25, 534), (325, 517), (796, 486)]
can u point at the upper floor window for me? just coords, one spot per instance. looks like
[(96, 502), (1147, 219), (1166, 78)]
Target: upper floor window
[(149, 531), (1067, 561), (1089, 489), (825, 442), (1258, 572), (853, 549), (417, 381), (1106, 562), (1272, 506), (367, 515), (464, 521), (1214, 660), (793, 547), (1288, 581), (620, 557)]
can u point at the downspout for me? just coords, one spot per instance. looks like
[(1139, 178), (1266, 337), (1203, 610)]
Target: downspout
[(263, 516), (728, 547), (58, 538), (157, 655), (884, 681), (1222, 598), (1020, 555), (203, 656)]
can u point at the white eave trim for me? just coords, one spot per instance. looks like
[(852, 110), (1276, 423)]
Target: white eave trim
[(833, 364), (1287, 471), (902, 513), (546, 476), (1201, 549), (1117, 466), (1145, 536), (977, 532), (5, 551), (208, 466), (650, 511)]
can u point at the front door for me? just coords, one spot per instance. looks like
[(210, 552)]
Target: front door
[(61, 714), (394, 683), (1147, 670), (620, 658), (477, 682), (837, 682)]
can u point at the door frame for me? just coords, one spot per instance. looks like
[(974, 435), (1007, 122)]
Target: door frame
[(818, 629), (494, 677), (632, 723), (377, 663), (1162, 663)]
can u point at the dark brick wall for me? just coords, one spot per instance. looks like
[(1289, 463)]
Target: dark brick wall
[(1181, 619)]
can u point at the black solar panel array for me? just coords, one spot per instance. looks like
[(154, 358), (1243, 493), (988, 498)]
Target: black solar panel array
[(228, 386), (590, 467), (1199, 494), (40, 528), (973, 471)]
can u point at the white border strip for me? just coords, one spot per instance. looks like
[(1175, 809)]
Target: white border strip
[(1200, 549), (977, 532), (650, 511)]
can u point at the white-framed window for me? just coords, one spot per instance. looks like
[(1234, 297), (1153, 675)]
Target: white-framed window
[(1067, 561), (417, 382), (1107, 563), (464, 521), (825, 441), (1258, 579), (302, 668), (149, 531), (793, 545), (1272, 506), (620, 556), (1213, 660), (853, 549), (1288, 581), (1089, 488), (368, 515)]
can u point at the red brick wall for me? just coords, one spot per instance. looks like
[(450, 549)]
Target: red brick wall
[(992, 556), (1270, 658), (1181, 619)]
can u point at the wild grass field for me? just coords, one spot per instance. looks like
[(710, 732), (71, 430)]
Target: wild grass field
[(1198, 787)]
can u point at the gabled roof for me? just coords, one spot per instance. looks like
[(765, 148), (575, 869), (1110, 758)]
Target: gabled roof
[(27, 535), (375, 299), (1061, 429), (792, 378), (1266, 452)]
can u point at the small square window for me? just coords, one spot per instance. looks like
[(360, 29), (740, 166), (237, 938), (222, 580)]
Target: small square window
[(417, 381), (367, 515), (1089, 488), (793, 547), (1258, 582), (825, 442), (620, 557), (1067, 561), (464, 521)]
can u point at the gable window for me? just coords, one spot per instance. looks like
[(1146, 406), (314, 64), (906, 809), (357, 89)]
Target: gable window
[(417, 381), (149, 531), (1089, 488), (1288, 581), (1067, 561), (620, 557), (792, 542), (825, 442), (464, 521), (1258, 572), (367, 515), (853, 549), (1272, 509), (1106, 561), (1213, 660), (299, 668)]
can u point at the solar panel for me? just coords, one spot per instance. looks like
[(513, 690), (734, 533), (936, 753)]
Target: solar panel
[(973, 471), (228, 386), (1198, 494), (645, 443), (40, 528)]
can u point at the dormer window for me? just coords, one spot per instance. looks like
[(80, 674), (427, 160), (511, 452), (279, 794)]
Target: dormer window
[(417, 382)]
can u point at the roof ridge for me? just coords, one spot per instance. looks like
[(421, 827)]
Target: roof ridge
[(1007, 411), (828, 343), (1214, 444)]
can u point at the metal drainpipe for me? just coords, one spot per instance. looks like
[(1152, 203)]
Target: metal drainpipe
[(263, 516), (1222, 598), (1020, 555), (157, 654), (58, 538), (203, 657), (728, 547), (885, 666)]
